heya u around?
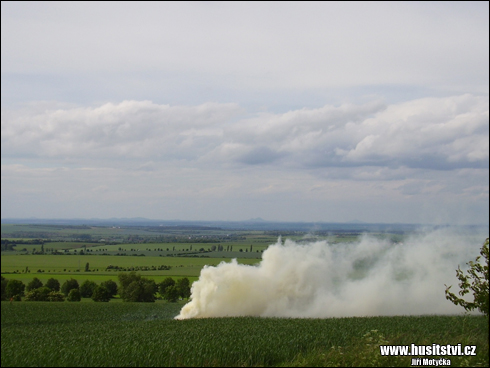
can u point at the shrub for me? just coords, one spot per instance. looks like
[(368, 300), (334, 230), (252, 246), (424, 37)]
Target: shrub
[(68, 285), (15, 289), (111, 287), (101, 294), (476, 281), (87, 288), (171, 294), (134, 288), (74, 295), (34, 284), (162, 287), (53, 284), (183, 285), (38, 295), (56, 296)]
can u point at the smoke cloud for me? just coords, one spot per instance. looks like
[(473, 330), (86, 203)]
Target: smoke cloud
[(319, 279)]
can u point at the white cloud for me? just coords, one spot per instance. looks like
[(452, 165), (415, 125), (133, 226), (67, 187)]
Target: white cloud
[(429, 132), (130, 129), (444, 133)]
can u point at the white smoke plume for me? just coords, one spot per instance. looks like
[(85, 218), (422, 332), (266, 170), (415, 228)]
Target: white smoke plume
[(319, 280)]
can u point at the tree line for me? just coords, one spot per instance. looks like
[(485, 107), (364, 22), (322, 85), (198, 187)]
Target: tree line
[(132, 288)]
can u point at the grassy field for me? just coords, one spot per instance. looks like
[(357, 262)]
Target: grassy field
[(145, 334), (68, 266), (68, 249)]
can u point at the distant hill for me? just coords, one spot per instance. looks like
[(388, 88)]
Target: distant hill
[(256, 219), (257, 223)]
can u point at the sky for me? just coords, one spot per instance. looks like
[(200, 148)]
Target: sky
[(287, 111)]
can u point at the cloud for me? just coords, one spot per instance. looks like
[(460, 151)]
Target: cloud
[(431, 133), (130, 129), (434, 133)]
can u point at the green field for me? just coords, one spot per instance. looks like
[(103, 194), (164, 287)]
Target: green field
[(145, 334), (59, 251), (64, 258), (65, 267)]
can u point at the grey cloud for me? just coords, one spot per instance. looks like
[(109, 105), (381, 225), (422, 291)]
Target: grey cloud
[(432, 133), (259, 155), (130, 129)]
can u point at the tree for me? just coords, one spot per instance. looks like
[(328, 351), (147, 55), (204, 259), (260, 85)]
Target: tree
[(34, 284), (101, 294), (68, 285), (87, 288), (53, 284), (171, 294), (87, 267), (162, 287), (183, 286), (476, 281), (74, 295), (111, 287), (142, 290), (134, 288), (15, 289)]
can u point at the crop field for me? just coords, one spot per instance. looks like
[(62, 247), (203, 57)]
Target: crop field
[(145, 334), (62, 252), (74, 266)]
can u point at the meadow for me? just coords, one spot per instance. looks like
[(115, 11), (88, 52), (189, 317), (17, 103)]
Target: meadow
[(145, 334), (65, 254)]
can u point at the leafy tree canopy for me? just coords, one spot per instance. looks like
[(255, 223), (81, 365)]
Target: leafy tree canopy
[(101, 294), (34, 284), (53, 284), (68, 285), (135, 288), (14, 288), (87, 288)]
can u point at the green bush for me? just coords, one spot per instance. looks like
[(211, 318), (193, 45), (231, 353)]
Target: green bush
[(68, 285), (38, 295), (34, 284), (101, 294), (184, 288), (134, 288), (53, 284), (74, 295), (171, 294), (56, 296), (476, 281), (87, 288), (111, 287), (162, 287), (15, 289)]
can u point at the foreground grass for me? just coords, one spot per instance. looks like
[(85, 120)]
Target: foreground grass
[(141, 334)]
